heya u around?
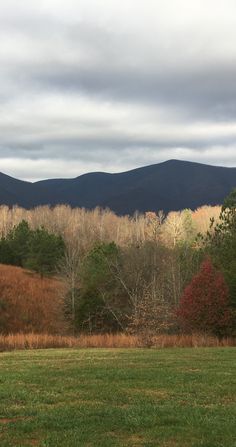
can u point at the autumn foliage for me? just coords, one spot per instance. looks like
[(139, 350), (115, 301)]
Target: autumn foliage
[(115, 275), (205, 304), (29, 303)]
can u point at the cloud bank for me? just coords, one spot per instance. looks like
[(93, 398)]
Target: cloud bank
[(98, 85)]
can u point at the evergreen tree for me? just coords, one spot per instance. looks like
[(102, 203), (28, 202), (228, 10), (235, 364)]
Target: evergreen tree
[(34, 249), (221, 243), (44, 252), (14, 247), (98, 288)]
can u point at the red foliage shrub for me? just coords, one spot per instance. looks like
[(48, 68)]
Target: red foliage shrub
[(205, 305), (29, 303)]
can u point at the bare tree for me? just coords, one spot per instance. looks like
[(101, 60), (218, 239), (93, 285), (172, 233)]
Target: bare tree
[(69, 272)]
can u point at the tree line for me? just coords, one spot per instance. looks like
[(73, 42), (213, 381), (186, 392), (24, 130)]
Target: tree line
[(145, 274)]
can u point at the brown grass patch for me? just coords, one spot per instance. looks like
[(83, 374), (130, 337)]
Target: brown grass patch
[(29, 303), (5, 421), (191, 341), (135, 440), (35, 341), (43, 341), (33, 442), (108, 341)]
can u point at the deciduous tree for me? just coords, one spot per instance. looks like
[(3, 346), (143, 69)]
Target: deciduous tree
[(205, 305)]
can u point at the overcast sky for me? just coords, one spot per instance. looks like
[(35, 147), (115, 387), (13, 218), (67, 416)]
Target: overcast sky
[(109, 85)]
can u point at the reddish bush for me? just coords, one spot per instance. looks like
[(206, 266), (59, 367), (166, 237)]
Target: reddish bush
[(205, 305)]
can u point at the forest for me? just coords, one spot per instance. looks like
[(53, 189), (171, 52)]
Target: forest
[(72, 271)]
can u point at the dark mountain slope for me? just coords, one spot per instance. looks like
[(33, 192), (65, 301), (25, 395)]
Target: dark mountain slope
[(175, 185), (172, 185), (13, 191)]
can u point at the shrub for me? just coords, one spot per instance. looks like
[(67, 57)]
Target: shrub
[(205, 304)]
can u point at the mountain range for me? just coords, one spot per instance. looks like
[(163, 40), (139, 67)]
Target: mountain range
[(171, 185)]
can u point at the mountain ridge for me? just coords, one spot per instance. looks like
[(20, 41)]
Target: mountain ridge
[(170, 185)]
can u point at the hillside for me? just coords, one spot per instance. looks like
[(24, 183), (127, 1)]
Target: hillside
[(172, 185), (29, 303)]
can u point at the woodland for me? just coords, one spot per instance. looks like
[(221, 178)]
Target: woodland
[(71, 271)]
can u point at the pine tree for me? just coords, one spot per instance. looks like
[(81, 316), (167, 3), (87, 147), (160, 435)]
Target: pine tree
[(45, 251), (221, 243)]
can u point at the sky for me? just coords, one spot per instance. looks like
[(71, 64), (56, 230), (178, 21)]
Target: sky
[(111, 85)]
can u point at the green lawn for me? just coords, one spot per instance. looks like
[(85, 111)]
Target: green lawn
[(136, 397)]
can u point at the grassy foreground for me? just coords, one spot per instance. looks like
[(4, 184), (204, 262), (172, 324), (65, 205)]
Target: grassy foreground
[(114, 397)]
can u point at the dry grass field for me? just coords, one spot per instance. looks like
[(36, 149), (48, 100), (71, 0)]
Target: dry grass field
[(44, 341), (29, 303)]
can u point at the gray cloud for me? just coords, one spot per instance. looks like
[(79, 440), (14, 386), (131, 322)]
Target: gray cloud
[(102, 85)]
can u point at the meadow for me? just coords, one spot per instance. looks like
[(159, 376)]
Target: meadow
[(118, 397)]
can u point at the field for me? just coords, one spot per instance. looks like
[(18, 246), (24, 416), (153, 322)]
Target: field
[(117, 397)]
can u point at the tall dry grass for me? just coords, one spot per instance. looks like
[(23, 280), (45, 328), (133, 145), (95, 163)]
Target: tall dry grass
[(35, 341), (191, 341), (45, 341), (29, 303)]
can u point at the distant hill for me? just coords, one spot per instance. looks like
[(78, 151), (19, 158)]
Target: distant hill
[(172, 185)]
